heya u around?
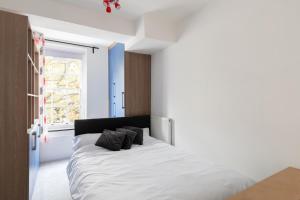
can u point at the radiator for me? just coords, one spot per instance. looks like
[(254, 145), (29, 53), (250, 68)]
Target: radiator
[(161, 129)]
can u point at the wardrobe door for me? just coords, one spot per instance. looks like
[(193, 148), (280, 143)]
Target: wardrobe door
[(116, 80), (137, 84), (13, 107)]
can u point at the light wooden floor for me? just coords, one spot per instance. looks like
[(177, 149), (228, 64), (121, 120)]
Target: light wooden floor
[(52, 182)]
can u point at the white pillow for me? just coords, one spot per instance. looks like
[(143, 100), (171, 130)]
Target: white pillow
[(86, 139)]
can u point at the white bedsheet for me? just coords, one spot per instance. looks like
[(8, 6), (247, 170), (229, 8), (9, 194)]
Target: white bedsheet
[(154, 171)]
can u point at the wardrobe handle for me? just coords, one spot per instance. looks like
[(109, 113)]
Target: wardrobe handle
[(115, 110), (34, 135), (123, 100), (114, 89)]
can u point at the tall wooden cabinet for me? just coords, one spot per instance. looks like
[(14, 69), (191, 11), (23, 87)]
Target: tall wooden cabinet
[(129, 82), (137, 84), (19, 99)]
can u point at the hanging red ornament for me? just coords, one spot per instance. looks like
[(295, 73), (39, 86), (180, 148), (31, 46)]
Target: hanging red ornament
[(117, 5), (108, 9), (109, 3), (106, 3)]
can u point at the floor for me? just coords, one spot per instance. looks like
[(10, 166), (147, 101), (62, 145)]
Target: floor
[(52, 182)]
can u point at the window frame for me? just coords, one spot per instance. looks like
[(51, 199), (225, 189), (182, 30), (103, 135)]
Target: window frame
[(65, 51)]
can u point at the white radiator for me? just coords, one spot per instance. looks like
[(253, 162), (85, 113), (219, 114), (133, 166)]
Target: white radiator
[(161, 128)]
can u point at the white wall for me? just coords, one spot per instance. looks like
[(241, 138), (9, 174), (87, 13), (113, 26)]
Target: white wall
[(231, 84), (97, 83), (95, 89), (58, 146)]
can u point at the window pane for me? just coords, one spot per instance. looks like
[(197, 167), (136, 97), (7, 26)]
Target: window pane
[(62, 92)]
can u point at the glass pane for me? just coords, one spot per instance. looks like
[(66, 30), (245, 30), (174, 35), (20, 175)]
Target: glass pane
[(62, 92)]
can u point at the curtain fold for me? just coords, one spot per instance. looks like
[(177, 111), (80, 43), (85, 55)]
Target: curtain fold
[(39, 41)]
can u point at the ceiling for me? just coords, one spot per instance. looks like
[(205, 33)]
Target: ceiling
[(133, 9), (140, 24)]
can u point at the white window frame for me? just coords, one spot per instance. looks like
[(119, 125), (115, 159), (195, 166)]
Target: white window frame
[(67, 51)]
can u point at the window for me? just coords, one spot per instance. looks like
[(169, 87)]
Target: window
[(62, 89)]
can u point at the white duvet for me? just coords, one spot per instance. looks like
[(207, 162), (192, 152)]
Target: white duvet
[(153, 171)]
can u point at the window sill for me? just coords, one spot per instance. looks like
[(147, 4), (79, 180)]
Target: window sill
[(60, 127), (60, 134), (60, 130)]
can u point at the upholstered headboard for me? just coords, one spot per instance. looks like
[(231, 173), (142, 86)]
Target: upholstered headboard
[(98, 125)]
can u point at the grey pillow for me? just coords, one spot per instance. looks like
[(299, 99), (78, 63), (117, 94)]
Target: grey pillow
[(130, 136), (139, 134), (111, 140)]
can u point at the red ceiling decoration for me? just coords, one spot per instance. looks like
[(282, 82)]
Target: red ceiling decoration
[(111, 3)]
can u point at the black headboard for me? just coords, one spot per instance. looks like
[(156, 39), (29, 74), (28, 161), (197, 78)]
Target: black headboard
[(98, 125)]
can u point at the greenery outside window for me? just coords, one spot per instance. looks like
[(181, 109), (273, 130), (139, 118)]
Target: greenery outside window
[(62, 90)]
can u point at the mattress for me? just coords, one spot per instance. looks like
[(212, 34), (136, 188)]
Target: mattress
[(153, 171)]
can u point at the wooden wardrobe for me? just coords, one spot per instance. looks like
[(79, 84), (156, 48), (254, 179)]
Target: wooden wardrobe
[(129, 82), (137, 84), (19, 99)]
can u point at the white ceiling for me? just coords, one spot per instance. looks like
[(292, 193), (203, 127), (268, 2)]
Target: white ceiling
[(141, 24), (71, 37), (133, 9)]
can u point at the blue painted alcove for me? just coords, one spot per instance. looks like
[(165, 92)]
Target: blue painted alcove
[(116, 80)]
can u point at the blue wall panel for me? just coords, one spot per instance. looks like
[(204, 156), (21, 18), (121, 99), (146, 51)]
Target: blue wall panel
[(116, 57), (34, 163)]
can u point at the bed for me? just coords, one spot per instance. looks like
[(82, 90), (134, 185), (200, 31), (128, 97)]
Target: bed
[(153, 171)]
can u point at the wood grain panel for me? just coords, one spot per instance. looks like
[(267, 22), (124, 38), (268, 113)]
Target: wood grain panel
[(13, 107), (284, 185), (137, 84)]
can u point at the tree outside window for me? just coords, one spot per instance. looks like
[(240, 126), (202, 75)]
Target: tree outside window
[(62, 90)]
